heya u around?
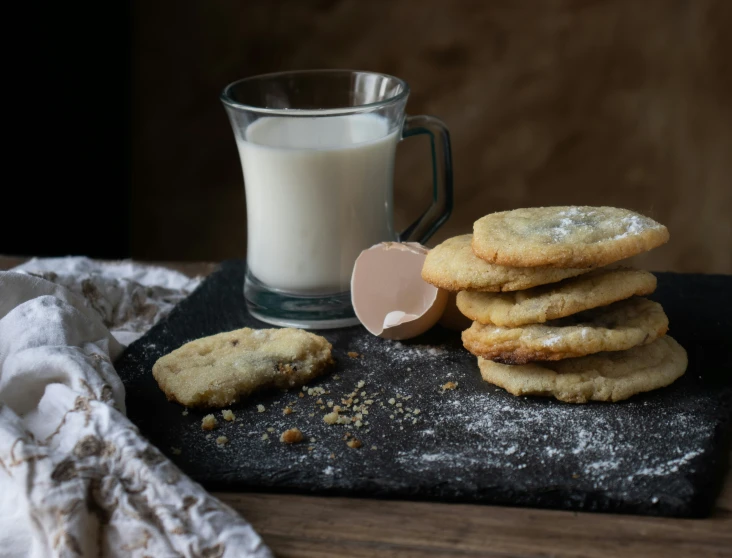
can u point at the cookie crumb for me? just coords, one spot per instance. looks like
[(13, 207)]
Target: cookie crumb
[(270, 430), (265, 436), (260, 408), (175, 451), (287, 411), (301, 395), (331, 418), (209, 422), (360, 384), (228, 415), (222, 440), (353, 354), (392, 401), (185, 412), (373, 447), (354, 443), (291, 436), (332, 455), (449, 386)]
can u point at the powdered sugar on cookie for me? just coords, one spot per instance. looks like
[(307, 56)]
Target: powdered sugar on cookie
[(562, 237)]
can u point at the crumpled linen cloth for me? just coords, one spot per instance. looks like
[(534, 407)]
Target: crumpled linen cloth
[(129, 297), (76, 476)]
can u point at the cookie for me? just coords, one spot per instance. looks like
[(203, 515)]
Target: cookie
[(569, 236), (549, 302), (617, 327), (217, 371), (453, 266), (612, 376)]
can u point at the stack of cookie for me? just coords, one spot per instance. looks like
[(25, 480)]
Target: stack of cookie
[(549, 318)]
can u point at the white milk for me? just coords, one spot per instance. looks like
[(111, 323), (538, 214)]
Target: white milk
[(319, 190)]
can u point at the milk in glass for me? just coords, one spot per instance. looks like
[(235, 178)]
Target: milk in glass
[(318, 192)]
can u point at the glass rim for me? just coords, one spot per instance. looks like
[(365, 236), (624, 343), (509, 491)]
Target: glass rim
[(231, 103)]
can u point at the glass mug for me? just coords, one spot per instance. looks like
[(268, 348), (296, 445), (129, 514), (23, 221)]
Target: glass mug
[(317, 151)]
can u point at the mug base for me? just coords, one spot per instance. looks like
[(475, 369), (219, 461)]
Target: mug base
[(299, 311)]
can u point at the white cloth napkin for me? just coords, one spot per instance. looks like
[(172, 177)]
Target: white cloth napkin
[(76, 477), (129, 297)]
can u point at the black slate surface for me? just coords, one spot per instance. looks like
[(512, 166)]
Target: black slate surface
[(662, 453)]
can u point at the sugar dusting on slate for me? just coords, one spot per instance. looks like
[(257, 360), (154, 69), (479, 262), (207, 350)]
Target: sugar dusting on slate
[(575, 438), (404, 353)]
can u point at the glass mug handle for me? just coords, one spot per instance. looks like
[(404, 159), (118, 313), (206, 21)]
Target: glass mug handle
[(437, 213)]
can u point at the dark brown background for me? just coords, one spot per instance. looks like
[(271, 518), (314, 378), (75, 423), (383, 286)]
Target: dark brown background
[(613, 102)]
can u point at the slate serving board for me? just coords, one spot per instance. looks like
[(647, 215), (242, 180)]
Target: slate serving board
[(662, 453)]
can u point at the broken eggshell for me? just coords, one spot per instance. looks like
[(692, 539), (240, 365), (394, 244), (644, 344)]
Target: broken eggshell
[(389, 296)]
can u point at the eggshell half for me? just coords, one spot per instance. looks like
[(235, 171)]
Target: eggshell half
[(389, 296)]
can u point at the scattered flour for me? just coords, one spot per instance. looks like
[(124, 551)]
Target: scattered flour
[(606, 451), (669, 467), (399, 352)]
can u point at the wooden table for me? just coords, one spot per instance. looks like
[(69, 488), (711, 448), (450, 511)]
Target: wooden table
[(314, 526)]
